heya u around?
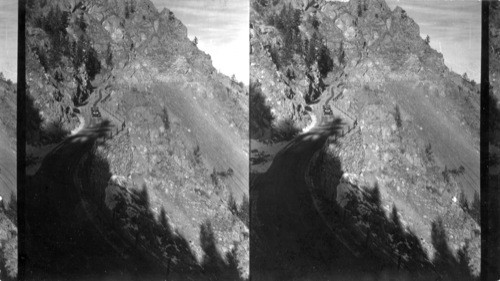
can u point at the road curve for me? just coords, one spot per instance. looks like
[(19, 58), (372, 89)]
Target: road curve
[(289, 238), (61, 241)]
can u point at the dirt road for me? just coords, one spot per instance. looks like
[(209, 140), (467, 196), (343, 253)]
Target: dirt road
[(61, 242)]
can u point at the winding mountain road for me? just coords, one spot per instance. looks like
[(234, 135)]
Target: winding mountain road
[(62, 241), (290, 241)]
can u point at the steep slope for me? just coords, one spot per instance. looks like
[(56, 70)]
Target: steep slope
[(8, 179), (8, 142), (175, 159), (411, 126)]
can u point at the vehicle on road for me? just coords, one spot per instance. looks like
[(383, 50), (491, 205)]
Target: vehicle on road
[(95, 111), (327, 110)]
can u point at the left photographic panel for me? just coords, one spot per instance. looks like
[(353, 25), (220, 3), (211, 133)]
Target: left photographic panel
[(136, 140), (8, 139)]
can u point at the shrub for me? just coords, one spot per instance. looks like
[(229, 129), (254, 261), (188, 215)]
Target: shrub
[(231, 204), (197, 154), (109, 56), (397, 117), (459, 171), (446, 174), (428, 152), (166, 119), (314, 22), (244, 211), (215, 179), (286, 130), (475, 208), (260, 115), (463, 202), (275, 58), (325, 62)]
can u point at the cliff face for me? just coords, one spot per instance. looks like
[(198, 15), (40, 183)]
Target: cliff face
[(417, 123), (491, 254), (180, 128)]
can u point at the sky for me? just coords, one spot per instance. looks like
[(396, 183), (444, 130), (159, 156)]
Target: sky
[(454, 29), (221, 27), (8, 41)]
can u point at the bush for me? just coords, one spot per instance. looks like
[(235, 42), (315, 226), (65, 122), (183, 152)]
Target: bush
[(446, 174), (428, 152), (314, 22), (397, 117), (197, 154), (286, 130), (475, 208), (166, 119), (109, 56), (463, 202), (275, 58), (260, 115), (325, 62), (244, 211)]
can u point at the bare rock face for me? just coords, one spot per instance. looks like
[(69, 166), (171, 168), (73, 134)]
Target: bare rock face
[(347, 24)]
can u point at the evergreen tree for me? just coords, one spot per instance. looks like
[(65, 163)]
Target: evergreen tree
[(109, 56), (325, 62)]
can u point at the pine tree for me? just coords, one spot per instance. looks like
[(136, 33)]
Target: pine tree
[(109, 56), (325, 62)]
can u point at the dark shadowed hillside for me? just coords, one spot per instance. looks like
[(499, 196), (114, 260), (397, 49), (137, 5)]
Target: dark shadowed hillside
[(386, 115), (492, 249)]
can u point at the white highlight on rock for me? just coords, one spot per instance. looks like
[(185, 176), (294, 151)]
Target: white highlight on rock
[(80, 127), (311, 125)]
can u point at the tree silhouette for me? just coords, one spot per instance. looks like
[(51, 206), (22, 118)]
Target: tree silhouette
[(260, 115)]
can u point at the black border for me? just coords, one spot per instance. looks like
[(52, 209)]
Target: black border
[(21, 138)]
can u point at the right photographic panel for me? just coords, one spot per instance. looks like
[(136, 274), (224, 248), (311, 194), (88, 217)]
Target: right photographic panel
[(491, 249), (365, 140)]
